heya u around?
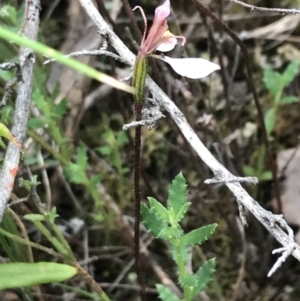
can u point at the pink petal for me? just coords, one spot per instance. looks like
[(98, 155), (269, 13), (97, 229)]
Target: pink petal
[(163, 11)]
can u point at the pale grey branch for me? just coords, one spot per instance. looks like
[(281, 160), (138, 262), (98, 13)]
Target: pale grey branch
[(93, 53), (22, 108)]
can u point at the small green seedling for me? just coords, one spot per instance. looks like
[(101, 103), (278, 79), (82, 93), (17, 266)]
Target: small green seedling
[(276, 83), (163, 222), (114, 141)]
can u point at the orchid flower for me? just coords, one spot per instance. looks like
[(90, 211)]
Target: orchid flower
[(161, 39)]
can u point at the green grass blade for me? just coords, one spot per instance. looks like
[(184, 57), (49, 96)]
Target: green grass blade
[(14, 275), (61, 58)]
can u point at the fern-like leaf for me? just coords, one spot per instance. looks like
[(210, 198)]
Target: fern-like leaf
[(198, 236), (151, 221), (204, 274), (165, 294), (177, 194)]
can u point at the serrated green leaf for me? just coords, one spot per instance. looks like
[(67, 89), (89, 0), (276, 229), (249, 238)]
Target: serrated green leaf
[(182, 211), (95, 180), (198, 236), (188, 280), (75, 174), (151, 221), (159, 209), (170, 233), (272, 81), (36, 123), (105, 150), (8, 14), (166, 294), (289, 73), (177, 194), (60, 109), (270, 118), (40, 101), (204, 274), (82, 157), (15, 275), (289, 99)]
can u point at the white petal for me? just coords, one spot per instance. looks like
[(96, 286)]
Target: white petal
[(165, 47), (192, 67), (168, 45)]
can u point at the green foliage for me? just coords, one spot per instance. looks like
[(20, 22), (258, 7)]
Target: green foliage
[(14, 251), (51, 113), (166, 294), (28, 184), (205, 274), (177, 194), (112, 149), (152, 221), (12, 274), (259, 170), (163, 223), (8, 15), (198, 236), (276, 83), (76, 172), (11, 19)]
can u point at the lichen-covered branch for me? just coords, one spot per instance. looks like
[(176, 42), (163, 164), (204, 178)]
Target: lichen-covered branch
[(22, 107)]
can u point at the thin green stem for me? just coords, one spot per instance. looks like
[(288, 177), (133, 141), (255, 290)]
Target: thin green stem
[(137, 196), (180, 261), (29, 243), (182, 271), (59, 247), (62, 240), (139, 83)]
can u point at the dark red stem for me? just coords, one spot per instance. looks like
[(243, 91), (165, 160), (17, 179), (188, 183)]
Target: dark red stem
[(137, 195)]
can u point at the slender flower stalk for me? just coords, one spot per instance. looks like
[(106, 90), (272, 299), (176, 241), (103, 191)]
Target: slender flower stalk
[(161, 39), (139, 77)]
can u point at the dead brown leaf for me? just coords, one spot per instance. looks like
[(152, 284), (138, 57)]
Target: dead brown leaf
[(288, 162)]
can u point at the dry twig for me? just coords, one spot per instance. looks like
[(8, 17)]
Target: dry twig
[(22, 108), (267, 9)]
